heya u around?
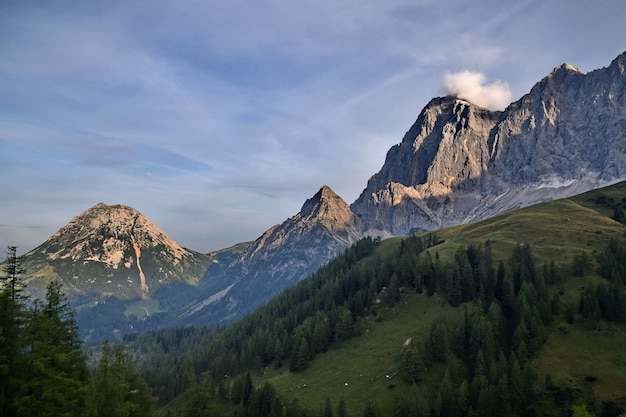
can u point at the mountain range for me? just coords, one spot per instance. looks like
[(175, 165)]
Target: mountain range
[(458, 163)]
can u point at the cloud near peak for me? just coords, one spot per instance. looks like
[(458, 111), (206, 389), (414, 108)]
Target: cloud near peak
[(471, 86)]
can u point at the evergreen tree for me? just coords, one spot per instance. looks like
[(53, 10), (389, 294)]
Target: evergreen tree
[(439, 340), (618, 215), (12, 322), (328, 411), (246, 389), (299, 354), (117, 388), (393, 291), (371, 410), (236, 389), (55, 373), (414, 362), (463, 398), (448, 396)]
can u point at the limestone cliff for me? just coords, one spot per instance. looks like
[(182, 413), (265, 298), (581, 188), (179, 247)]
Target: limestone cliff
[(460, 163)]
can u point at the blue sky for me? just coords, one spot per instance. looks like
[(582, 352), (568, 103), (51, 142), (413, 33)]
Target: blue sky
[(218, 119)]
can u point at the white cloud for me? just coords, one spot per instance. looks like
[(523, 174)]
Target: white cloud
[(471, 86)]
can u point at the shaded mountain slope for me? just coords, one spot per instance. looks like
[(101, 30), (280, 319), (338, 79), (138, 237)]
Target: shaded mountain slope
[(283, 255), (371, 321)]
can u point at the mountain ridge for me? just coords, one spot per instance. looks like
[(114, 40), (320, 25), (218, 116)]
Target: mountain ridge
[(456, 164), (281, 256), (563, 137)]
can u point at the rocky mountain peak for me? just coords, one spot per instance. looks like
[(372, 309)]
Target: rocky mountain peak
[(445, 149), (564, 68), (104, 232), (618, 66), (327, 208), (114, 247), (460, 163), (324, 227)]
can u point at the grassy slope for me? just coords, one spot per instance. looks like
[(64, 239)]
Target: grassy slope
[(365, 367), (357, 370)]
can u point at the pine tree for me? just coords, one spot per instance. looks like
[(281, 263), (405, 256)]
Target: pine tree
[(463, 398), (299, 354), (328, 411), (414, 362), (439, 341), (117, 388), (55, 372), (371, 410), (12, 323), (448, 396), (246, 390)]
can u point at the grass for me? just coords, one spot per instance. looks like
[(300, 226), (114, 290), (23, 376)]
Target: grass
[(575, 352), (366, 367), (556, 230)]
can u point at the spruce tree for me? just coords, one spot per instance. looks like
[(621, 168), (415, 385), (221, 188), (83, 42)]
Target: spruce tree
[(54, 371), (12, 323), (117, 388)]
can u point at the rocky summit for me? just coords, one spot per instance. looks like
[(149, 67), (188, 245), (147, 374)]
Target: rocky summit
[(112, 250), (460, 163), (324, 226), (283, 255)]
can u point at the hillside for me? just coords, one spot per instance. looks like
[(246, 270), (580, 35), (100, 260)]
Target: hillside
[(368, 366), (343, 333)]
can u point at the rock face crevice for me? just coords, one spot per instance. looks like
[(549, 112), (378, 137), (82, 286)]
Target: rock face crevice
[(460, 163)]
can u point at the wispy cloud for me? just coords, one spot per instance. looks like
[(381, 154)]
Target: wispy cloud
[(472, 86)]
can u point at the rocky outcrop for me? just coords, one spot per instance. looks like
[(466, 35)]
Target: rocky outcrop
[(460, 163)]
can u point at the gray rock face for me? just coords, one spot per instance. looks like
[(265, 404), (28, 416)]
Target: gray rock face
[(460, 163)]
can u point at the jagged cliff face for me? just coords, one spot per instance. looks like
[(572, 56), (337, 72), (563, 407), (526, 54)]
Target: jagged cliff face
[(113, 250), (460, 163), (284, 254), (443, 150)]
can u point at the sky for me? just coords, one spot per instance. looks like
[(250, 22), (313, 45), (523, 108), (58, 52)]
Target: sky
[(218, 119)]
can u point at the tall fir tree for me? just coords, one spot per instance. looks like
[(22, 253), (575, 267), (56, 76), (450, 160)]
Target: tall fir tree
[(54, 371), (12, 322), (117, 388)]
